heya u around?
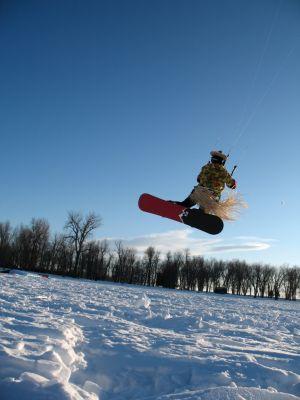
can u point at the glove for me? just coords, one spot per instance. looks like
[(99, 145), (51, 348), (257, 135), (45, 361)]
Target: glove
[(233, 185)]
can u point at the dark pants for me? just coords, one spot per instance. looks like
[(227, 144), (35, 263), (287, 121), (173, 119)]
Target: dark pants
[(188, 202)]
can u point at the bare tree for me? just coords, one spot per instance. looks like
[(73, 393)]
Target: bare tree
[(234, 276), (246, 283), (5, 243), (217, 271), (79, 229), (168, 274), (150, 262), (105, 259), (64, 257), (186, 272), (22, 247), (96, 260), (200, 266), (255, 277), (125, 263), (291, 282), (265, 279), (59, 246), (40, 233), (278, 278)]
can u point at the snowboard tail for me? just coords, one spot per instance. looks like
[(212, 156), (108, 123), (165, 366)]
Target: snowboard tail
[(195, 218)]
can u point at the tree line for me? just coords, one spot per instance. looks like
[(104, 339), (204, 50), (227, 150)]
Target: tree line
[(73, 253)]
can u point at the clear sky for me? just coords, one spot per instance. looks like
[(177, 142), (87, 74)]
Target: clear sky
[(101, 101)]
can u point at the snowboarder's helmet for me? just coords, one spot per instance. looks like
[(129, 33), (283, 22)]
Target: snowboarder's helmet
[(218, 157)]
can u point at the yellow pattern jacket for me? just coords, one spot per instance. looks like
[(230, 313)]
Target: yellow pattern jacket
[(215, 177)]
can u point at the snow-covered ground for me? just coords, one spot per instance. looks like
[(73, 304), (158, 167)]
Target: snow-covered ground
[(73, 339)]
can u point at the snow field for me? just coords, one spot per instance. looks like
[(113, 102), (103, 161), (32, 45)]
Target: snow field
[(73, 339)]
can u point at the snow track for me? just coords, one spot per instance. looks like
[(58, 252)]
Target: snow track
[(74, 339)]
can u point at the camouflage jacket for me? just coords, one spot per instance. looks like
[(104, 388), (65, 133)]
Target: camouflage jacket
[(215, 177)]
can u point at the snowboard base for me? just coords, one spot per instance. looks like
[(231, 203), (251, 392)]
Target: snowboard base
[(193, 217)]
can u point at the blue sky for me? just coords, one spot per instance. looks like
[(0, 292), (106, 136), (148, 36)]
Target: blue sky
[(101, 101)]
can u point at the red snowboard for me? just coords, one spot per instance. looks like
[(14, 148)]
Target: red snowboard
[(189, 216)]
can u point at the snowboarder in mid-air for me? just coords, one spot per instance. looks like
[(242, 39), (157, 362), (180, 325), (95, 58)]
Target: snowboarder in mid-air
[(212, 180), (212, 210)]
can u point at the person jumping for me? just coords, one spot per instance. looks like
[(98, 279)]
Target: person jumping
[(212, 180)]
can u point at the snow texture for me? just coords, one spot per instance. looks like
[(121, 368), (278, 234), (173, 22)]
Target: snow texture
[(64, 338)]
